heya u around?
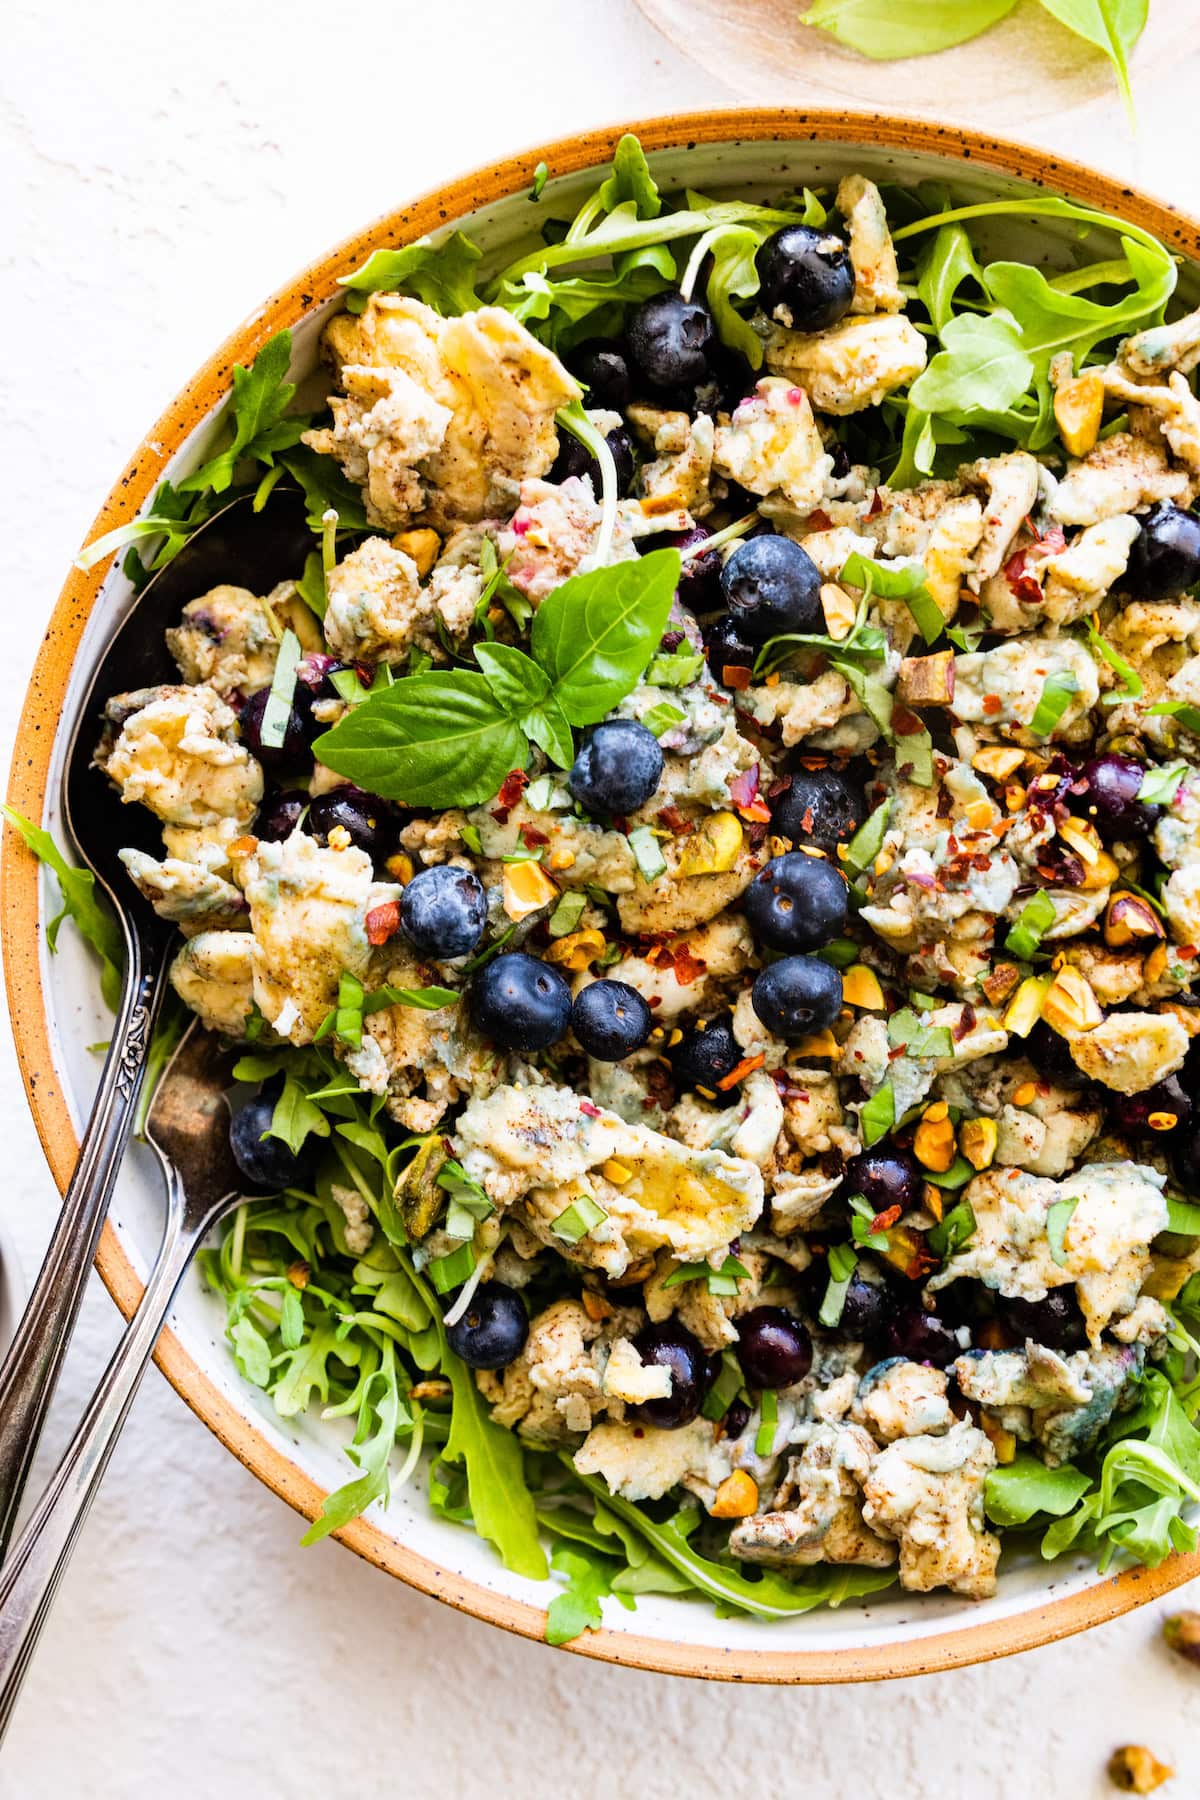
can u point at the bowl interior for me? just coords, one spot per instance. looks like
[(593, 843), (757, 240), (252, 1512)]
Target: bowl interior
[(78, 1020)]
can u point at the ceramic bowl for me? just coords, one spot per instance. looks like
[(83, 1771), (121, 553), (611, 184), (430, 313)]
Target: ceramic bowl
[(55, 1004)]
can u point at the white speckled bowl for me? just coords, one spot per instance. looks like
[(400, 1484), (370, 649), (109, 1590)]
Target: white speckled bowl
[(12, 1289), (56, 1010)]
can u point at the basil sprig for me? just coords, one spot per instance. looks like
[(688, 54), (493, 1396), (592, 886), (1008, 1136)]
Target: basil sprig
[(448, 737)]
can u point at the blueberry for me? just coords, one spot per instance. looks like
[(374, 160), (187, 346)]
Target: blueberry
[(493, 1330), (796, 902), (727, 647), (796, 996), (1055, 1321), (364, 817), (704, 1056), (772, 585), (611, 1020), (1050, 1055), (885, 1176), (520, 1003), (774, 1348), (819, 807), (1165, 557), (672, 1346), (669, 338), (869, 1310), (922, 1337), (602, 364), (279, 815), (700, 576), (618, 767), (1131, 1113), (266, 1162), (1112, 800), (575, 458), (806, 279), (443, 911), (298, 734)]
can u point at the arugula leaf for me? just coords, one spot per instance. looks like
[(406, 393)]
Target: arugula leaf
[(1187, 715), (325, 490), (596, 633), (296, 1117), (437, 739), (942, 267), (80, 903), (383, 1408), (1183, 1217), (1017, 1490), (889, 29), (1114, 26), (588, 1580), (442, 275), (983, 370), (501, 1505), (255, 409)]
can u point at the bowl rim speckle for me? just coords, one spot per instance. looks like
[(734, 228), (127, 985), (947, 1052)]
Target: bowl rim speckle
[(1107, 1596)]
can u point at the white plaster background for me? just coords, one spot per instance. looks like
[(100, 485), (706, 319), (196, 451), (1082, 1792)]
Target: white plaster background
[(163, 168)]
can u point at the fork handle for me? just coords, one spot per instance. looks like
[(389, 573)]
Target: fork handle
[(31, 1576), (31, 1368)]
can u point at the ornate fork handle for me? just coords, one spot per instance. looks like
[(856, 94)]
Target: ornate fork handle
[(31, 1368)]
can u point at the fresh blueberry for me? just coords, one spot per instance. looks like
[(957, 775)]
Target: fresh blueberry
[(443, 911), (869, 1309), (1051, 1056), (266, 1162), (618, 767), (279, 815), (704, 1056), (1112, 800), (796, 996), (774, 1348), (772, 585), (700, 576), (602, 364), (611, 1020), (1055, 1321), (671, 1346), (669, 338), (298, 734), (806, 278), (885, 1176), (520, 1003), (364, 817), (1165, 558), (922, 1337), (575, 458), (727, 647), (819, 807), (797, 902), (492, 1331)]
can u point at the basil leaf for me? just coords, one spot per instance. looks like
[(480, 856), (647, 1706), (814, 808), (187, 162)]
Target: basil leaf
[(595, 634), (905, 1031), (438, 739), (661, 718), (886, 31), (1025, 1486), (1131, 682), (278, 710), (878, 1115), (428, 999), (1188, 716), (442, 275), (907, 584), (513, 677), (675, 669), (547, 726), (1056, 697), (953, 1231), (1058, 1217), (1183, 1217), (1160, 783), (1033, 921), (867, 842)]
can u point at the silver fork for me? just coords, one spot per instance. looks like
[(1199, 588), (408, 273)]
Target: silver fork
[(189, 1128)]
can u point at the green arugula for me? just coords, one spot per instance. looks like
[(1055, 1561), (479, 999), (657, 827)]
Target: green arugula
[(442, 275), (254, 417), (80, 903), (1018, 1490), (449, 737)]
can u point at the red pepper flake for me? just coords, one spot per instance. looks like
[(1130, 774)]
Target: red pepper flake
[(1023, 586), (383, 922), (966, 1023), (511, 789), (894, 1055), (674, 821), (746, 1067), (876, 505), (819, 521), (904, 722), (992, 703), (588, 1110), (884, 1220), (1186, 952), (920, 1265), (735, 675), (945, 803), (779, 787), (688, 968), (756, 832), (532, 838), (653, 1001)]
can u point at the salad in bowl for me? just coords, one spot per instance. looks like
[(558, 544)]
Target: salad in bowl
[(703, 866)]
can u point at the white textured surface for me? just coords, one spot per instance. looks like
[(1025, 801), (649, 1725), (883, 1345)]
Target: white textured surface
[(164, 170)]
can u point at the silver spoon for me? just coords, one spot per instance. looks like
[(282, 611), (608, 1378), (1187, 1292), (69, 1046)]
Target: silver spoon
[(189, 1128), (253, 550)]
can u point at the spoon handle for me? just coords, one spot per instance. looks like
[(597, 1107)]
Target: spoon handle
[(30, 1578), (30, 1369)]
